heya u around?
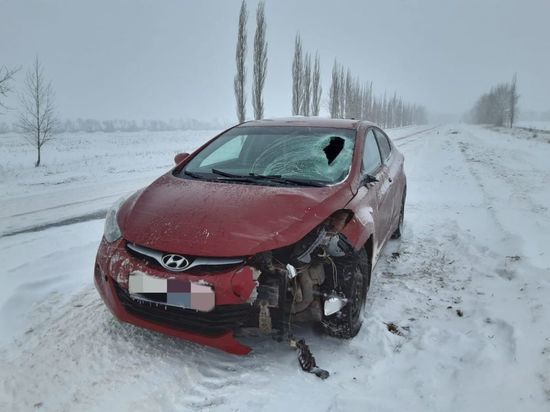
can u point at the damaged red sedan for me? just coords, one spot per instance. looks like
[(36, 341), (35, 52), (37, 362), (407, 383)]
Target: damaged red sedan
[(270, 223)]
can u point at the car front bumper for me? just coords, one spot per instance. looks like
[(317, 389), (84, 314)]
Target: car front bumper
[(234, 291)]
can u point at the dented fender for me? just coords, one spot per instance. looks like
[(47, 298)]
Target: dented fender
[(361, 226)]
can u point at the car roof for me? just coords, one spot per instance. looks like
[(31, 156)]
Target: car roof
[(302, 121)]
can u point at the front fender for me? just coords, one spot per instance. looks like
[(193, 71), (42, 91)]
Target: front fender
[(361, 226)]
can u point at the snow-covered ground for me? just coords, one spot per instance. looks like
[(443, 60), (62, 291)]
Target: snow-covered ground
[(82, 173), (467, 289), (534, 124)]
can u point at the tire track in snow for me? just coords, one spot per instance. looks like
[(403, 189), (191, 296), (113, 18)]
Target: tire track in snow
[(489, 204), (77, 348), (513, 331), (100, 214), (414, 134), (493, 341)]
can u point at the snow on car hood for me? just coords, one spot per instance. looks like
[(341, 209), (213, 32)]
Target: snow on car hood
[(204, 218)]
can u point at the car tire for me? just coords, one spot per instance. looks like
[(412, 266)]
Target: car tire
[(399, 230), (346, 323)]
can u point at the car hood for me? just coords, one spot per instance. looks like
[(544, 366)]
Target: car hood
[(204, 218)]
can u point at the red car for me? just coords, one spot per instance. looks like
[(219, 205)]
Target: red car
[(270, 223)]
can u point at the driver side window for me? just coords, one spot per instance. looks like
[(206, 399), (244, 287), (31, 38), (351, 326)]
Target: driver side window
[(371, 154)]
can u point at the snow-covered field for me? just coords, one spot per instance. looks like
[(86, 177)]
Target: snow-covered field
[(82, 173), (538, 125), (467, 287)]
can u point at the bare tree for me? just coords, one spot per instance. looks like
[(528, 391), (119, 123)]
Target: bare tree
[(260, 62), (347, 95), (240, 57), (342, 93), (37, 119), (6, 77), (392, 111), (375, 117), (384, 117), (306, 86), (334, 91), (514, 97), (359, 95), (400, 120), (297, 76), (366, 97), (498, 107), (316, 88)]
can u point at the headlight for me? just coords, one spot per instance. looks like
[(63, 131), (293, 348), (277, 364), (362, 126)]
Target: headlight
[(112, 230)]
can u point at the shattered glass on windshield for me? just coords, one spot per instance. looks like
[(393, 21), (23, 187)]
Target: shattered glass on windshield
[(312, 157), (307, 153)]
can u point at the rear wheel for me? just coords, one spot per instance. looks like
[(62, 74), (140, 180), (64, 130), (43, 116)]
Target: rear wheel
[(399, 231), (354, 279)]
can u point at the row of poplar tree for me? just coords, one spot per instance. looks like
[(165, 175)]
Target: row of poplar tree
[(349, 97), (259, 60)]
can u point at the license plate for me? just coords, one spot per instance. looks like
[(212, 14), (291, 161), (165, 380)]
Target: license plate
[(172, 292)]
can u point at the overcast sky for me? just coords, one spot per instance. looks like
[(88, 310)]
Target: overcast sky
[(175, 59)]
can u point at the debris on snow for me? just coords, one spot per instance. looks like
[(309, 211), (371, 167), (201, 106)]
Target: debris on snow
[(397, 330), (307, 360)]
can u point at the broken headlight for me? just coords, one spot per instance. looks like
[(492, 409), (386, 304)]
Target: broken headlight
[(324, 235)]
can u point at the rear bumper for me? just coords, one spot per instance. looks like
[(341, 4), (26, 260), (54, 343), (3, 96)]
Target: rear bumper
[(214, 329)]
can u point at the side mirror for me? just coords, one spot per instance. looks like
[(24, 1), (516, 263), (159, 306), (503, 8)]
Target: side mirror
[(180, 157), (369, 179)]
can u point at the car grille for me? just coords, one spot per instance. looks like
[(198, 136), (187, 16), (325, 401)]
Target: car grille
[(215, 265), (221, 319)]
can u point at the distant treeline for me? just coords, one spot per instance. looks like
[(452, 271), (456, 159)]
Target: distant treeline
[(121, 125), (498, 107), (351, 98)]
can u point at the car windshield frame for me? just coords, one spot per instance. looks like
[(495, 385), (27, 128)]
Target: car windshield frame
[(276, 156)]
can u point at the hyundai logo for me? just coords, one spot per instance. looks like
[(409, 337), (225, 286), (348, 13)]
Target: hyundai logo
[(175, 263)]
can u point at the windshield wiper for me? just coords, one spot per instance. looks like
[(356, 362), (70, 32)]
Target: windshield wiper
[(227, 174), (281, 179), (193, 175), (273, 178)]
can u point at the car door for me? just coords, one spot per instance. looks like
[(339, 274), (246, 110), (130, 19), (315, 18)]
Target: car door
[(392, 168), (373, 167)]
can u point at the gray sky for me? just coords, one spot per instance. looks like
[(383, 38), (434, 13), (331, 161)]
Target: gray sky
[(175, 59)]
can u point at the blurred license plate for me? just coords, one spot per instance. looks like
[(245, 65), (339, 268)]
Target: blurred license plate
[(172, 292)]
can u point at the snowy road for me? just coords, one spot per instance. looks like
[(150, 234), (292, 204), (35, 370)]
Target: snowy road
[(467, 288)]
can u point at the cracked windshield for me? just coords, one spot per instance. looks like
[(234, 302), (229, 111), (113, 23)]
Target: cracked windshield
[(313, 154)]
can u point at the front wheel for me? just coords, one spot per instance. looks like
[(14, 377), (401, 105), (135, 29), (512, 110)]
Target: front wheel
[(355, 277)]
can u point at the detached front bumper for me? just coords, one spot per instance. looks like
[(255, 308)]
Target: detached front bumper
[(233, 292)]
